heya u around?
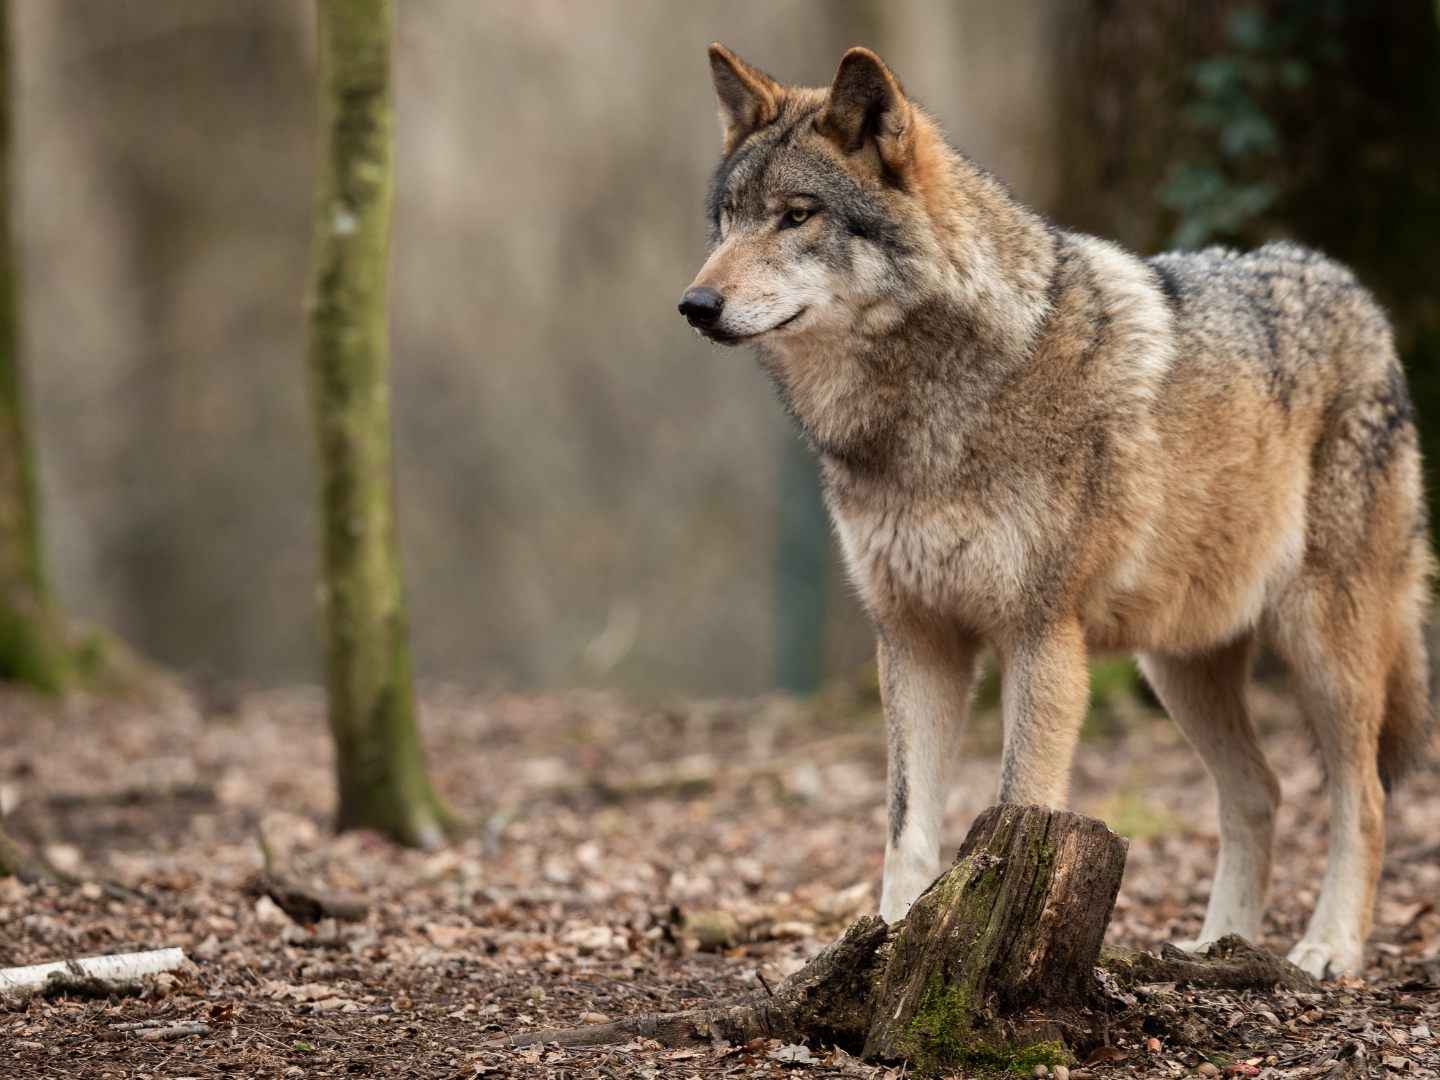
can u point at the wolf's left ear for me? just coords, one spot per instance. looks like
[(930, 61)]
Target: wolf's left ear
[(867, 105), (749, 99)]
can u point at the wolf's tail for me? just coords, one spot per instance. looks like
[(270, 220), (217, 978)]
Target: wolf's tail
[(1408, 710)]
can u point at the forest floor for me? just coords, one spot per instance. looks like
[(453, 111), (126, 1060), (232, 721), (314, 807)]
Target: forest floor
[(617, 858)]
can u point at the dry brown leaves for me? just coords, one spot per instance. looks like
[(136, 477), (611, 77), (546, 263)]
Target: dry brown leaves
[(607, 843)]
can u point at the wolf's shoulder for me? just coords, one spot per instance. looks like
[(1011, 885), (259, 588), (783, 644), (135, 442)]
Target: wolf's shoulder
[(1276, 271)]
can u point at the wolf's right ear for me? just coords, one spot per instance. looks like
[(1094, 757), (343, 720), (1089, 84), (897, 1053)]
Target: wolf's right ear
[(749, 99), (867, 107)]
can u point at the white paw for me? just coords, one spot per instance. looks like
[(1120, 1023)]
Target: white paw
[(1324, 960), (892, 911), (903, 884), (1195, 945)]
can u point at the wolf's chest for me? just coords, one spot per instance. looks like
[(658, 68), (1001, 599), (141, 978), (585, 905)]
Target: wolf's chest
[(950, 559)]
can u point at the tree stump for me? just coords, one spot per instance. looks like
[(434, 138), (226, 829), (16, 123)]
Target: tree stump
[(990, 963), (994, 967), (1001, 950)]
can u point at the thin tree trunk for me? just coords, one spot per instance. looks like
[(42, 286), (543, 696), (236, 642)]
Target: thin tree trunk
[(33, 649), (382, 777)]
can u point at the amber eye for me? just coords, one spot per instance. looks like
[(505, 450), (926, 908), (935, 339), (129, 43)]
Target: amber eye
[(797, 216)]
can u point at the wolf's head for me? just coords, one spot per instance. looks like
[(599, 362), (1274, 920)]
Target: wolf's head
[(818, 216), (871, 261)]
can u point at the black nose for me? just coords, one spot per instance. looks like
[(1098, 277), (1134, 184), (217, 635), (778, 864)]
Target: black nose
[(701, 306)]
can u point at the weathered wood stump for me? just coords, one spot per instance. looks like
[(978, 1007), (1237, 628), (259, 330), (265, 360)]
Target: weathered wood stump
[(1000, 951), (993, 968)]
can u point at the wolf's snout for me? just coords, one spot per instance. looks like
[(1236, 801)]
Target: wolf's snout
[(701, 306)]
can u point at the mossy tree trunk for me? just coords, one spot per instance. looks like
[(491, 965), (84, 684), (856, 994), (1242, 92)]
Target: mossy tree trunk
[(33, 647), (382, 777)]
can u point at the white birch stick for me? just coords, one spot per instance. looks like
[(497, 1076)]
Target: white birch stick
[(124, 967)]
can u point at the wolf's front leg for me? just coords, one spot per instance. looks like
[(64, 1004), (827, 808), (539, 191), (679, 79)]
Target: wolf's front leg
[(925, 683), (1045, 690)]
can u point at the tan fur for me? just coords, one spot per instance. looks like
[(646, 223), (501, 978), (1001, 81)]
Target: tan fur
[(1036, 442)]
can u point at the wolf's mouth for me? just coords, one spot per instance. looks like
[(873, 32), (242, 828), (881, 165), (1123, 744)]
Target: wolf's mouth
[(720, 337)]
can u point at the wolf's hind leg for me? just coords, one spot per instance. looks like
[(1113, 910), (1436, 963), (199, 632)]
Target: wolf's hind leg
[(925, 682), (1205, 696), (1340, 673)]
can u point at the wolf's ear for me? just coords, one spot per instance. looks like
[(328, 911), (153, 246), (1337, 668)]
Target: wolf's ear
[(749, 99), (866, 106)]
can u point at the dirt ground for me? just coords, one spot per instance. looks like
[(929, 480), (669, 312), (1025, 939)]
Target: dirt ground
[(617, 855)]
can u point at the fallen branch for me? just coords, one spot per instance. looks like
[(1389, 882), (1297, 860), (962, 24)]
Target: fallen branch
[(156, 1031), (830, 991), (132, 793), (1231, 963), (304, 903), (30, 868), (90, 971)]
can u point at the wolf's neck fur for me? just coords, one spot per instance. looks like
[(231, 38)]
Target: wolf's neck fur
[(895, 399)]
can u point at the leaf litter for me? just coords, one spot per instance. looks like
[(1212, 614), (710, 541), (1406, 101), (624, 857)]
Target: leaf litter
[(618, 857)]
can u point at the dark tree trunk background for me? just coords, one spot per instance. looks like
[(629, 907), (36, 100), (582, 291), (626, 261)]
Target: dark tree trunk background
[(1236, 121)]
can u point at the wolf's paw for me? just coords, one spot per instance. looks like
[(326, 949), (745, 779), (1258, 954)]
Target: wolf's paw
[(1325, 960), (1195, 945)]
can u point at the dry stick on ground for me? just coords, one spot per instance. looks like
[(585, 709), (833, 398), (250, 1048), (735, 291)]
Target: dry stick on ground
[(91, 970), (994, 966), (303, 903)]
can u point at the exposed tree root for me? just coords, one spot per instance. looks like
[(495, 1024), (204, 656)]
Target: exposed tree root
[(18, 860)]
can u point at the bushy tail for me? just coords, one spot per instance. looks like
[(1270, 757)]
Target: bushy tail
[(1408, 709)]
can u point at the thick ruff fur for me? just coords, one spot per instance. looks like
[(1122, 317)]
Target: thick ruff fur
[(1035, 442)]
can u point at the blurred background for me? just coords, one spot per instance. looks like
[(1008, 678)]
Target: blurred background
[(589, 494)]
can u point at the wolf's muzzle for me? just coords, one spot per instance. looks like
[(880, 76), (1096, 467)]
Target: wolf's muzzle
[(701, 307)]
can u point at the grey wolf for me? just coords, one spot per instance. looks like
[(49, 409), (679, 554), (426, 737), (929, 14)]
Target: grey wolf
[(1037, 443)]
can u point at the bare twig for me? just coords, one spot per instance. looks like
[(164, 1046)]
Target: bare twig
[(152, 1031)]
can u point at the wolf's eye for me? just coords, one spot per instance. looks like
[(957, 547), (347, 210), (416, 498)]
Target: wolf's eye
[(797, 216)]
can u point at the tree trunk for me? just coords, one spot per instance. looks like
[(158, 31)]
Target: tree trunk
[(382, 777), (33, 649)]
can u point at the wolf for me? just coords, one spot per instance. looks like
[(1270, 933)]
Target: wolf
[(1034, 442)]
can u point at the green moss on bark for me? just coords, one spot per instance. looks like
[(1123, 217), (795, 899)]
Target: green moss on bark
[(382, 777), (942, 1035)]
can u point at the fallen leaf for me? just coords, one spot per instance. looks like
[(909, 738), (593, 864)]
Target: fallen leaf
[(794, 1054), (1103, 1054)]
